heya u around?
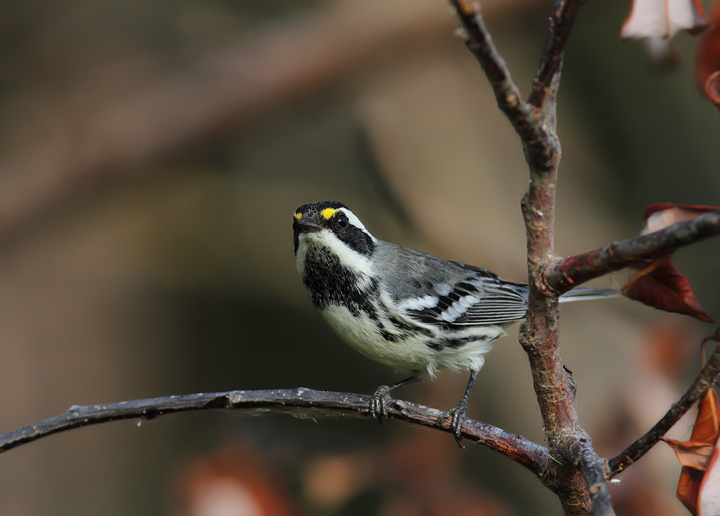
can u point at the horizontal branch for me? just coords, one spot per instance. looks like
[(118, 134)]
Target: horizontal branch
[(702, 383), (298, 401), (570, 272)]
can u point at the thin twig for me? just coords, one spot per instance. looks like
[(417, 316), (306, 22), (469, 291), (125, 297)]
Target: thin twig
[(301, 401), (702, 383), (481, 45), (592, 468), (527, 121), (567, 273), (561, 23)]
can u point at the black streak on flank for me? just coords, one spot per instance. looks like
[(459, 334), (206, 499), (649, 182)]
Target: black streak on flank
[(409, 328), (455, 343), (390, 337)]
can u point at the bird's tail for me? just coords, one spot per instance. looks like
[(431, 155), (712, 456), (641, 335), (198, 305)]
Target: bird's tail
[(587, 293)]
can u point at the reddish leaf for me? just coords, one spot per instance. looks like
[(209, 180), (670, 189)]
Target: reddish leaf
[(705, 432), (663, 18), (662, 286), (232, 481), (707, 422), (672, 213), (661, 215), (712, 88), (709, 496), (659, 283), (692, 454), (688, 490), (707, 58)]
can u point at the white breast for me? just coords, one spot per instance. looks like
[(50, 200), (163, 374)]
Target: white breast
[(411, 354)]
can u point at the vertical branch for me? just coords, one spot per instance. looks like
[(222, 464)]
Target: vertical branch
[(539, 335), (524, 117), (561, 23), (535, 122), (554, 387)]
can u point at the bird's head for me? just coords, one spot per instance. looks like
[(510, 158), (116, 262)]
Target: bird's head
[(332, 224)]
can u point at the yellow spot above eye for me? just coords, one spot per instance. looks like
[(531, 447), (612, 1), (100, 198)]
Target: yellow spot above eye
[(298, 216), (327, 213)]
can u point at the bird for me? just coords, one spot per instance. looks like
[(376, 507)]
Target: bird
[(409, 310)]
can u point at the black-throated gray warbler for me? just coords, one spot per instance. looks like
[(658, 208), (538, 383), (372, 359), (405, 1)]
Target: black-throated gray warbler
[(409, 310)]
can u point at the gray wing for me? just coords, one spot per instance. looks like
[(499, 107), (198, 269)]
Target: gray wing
[(434, 291)]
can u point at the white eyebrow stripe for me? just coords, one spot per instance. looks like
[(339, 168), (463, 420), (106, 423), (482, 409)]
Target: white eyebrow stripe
[(352, 218)]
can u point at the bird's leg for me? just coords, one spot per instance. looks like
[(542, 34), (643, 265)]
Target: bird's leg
[(458, 413), (378, 405)]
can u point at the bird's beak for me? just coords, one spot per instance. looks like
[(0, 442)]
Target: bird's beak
[(308, 225)]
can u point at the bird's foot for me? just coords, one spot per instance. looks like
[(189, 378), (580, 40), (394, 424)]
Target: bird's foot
[(378, 404), (457, 416)]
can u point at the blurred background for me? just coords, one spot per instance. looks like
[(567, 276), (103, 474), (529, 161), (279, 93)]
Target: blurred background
[(151, 157)]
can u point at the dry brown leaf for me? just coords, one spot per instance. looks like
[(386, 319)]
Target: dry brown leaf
[(707, 59), (691, 454), (659, 283), (663, 18), (692, 480), (709, 496), (661, 215)]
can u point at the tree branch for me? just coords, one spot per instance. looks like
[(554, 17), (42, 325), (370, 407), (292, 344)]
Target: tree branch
[(570, 272), (298, 401), (592, 468), (561, 23), (524, 118), (702, 383), (280, 65), (535, 122), (481, 45), (100, 142)]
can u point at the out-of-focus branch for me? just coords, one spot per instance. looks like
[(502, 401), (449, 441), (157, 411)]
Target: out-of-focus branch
[(267, 71), (567, 273), (276, 67), (702, 383), (301, 402)]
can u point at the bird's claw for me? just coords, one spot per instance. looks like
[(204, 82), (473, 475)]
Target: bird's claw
[(457, 416), (378, 404)]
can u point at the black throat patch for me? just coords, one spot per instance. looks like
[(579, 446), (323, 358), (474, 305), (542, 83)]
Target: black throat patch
[(331, 283)]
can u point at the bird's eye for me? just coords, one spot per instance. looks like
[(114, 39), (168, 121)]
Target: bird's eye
[(342, 220)]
